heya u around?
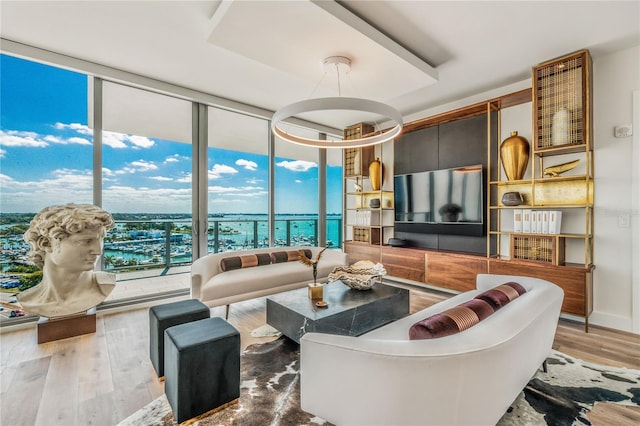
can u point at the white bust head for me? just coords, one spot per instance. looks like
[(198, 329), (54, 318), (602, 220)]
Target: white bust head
[(66, 241)]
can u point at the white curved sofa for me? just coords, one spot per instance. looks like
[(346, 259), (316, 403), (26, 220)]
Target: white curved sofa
[(214, 287), (469, 378)]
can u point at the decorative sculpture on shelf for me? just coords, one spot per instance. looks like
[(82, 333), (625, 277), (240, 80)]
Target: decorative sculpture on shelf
[(66, 241), (555, 171)]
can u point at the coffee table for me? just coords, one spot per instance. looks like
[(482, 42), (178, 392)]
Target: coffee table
[(349, 312)]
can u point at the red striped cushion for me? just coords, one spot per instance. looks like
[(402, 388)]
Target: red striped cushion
[(467, 314), (502, 294)]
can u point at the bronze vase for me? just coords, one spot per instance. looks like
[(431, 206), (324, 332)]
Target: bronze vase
[(514, 153), (375, 174)]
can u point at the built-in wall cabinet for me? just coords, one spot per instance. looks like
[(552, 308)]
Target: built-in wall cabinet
[(558, 178), (368, 191)]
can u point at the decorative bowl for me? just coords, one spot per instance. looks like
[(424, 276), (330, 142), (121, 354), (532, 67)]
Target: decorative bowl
[(359, 276)]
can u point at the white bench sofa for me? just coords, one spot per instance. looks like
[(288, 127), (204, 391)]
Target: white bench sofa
[(469, 378), (215, 287)]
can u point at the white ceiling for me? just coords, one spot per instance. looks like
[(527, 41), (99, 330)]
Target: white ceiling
[(413, 55)]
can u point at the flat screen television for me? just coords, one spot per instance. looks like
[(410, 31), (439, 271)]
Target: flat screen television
[(446, 201)]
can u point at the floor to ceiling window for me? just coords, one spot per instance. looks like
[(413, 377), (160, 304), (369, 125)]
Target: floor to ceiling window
[(296, 191), (46, 159), (334, 197), (45, 142), (238, 181), (146, 177)]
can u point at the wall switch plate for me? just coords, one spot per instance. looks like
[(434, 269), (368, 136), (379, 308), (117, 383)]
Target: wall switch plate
[(623, 220), (623, 131)]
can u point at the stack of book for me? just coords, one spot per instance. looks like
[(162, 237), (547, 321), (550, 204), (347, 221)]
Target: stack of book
[(367, 218), (537, 221)]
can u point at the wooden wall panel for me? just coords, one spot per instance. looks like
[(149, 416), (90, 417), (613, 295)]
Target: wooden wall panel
[(404, 263), (575, 281), (454, 271), (358, 252)]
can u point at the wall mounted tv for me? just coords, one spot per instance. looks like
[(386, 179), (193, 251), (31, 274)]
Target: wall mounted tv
[(446, 201)]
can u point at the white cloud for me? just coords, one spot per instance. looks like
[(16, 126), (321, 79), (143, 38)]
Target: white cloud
[(218, 170), (297, 181), (134, 200), (297, 165), (161, 178), (114, 140), (62, 186), (52, 139), (243, 191), (248, 165), (184, 179), (254, 181), (79, 141), (83, 129), (139, 166), (140, 141), (69, 185), (5, 180), (141, 195), (14, 138), (2, 153), (223, 189), (143, 166), (175, 158), (253, 194), (122, 140)]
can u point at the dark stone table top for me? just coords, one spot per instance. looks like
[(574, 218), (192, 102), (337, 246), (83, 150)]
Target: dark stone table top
[(349, 312)]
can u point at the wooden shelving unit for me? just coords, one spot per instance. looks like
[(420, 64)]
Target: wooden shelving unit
[(368, 212), (562, 134)]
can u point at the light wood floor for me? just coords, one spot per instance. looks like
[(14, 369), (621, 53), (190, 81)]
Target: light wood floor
[(102, 378)]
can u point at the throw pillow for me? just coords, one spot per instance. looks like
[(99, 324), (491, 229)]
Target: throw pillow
[(247, 261), (502, 294), (288, 256), (467, 314)]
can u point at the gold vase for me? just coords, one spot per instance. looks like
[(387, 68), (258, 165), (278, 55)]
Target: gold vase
[(375, 174), (514, 153)]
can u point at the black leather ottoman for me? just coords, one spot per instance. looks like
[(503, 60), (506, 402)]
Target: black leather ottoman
[(164, 316), (202, 367)]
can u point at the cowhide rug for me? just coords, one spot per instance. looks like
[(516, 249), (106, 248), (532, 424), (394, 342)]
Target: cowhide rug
[(572, 392)]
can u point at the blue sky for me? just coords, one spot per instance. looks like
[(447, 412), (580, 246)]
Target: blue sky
[(46, 158)]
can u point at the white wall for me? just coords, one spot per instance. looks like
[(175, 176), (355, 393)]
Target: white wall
[(616, 77)]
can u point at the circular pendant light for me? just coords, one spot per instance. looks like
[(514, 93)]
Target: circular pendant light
[(337, 103)]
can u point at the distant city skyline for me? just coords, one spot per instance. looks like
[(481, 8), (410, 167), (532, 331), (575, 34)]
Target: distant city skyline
[(46, 157)]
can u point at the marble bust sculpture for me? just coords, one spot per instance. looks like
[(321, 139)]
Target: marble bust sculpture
[(66, 241)]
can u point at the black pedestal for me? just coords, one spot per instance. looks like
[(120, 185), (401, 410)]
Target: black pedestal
[(167, 315), (202, 367)]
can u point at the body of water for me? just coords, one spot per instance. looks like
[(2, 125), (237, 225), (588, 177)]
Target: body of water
[(144, 242)]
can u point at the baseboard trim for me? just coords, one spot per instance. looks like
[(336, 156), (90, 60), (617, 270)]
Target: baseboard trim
[(614, 322)]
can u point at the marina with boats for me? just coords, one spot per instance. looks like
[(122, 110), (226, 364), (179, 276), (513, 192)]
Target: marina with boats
[(142, 243)]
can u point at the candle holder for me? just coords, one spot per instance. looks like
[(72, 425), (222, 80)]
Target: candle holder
[(315, 291)]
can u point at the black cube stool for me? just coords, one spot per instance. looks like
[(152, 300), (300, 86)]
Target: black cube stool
[(202, 367), (164, 316)]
